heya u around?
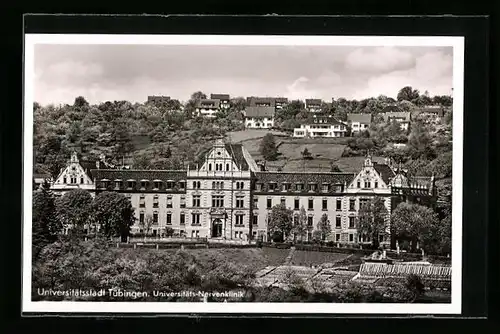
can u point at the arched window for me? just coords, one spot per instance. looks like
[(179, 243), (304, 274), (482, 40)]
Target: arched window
[(209, 166), (194, 185), (199, 184), (227, 167)]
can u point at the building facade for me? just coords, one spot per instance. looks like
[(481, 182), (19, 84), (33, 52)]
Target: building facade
[(313, 105), (323, 127), (207, 107), (359, 122), (224, 100), (229, 197), (158, 98), (259, 117)]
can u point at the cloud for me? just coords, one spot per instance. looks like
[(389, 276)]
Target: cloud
[(379, 60)]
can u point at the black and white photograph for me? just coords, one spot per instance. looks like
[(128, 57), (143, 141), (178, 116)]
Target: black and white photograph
[(229, 174)]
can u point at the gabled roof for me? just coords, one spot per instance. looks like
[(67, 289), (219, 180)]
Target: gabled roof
[(385, 172), (208, 102), (236, 152), (439, 111), (305, 178), (361, 118), (219, 96), (88, 166), (406, 116), (281, 100), (254, 101), (259, 112)]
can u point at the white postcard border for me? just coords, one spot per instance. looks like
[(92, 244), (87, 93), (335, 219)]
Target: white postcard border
[(457, 42)]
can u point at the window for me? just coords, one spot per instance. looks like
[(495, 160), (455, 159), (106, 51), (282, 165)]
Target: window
[(352, 205), (182, 203), (339, 205), (141, 217), (195, 218), (239, 201), (283, 201), (170, 185), (367, 184), (326, 188), (286, 186), (299, 187), (236, 235), (310, 221), (169, 202), (144, 184), (255, 202), (169, 218), (258, 186), (81, 180), (227, 167), (269, 203), (381, 238), (358, 184), (337, 237), (155, 202), (296, 204), (351, 222), (155, 217), (182, 219), (142, 202), (130, 184), (376, 184), (272, 186), (196, 201), (196, 185), (312, 187), (351, 237), (73, 180), (239, 220), (255, 219), (209, 167), (338, 222), (217, 201), (182, 185), (324, 204), (310, 204), (363, 203), (157, 184)]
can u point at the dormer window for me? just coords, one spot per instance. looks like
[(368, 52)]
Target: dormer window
[(170, 184), (258, 186), (157, 184), (299, 187), (130, 184), (286, 186), (144, 184), (326, 187), (118, 184), (182, 185), (105, 183), (312, 186), (272, 186)]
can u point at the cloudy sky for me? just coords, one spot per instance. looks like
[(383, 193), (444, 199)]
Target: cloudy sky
[(132, 72)]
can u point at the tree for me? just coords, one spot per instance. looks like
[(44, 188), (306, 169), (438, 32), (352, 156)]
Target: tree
[(414, 284), (420, 142), (114, 213), (168, 153), (372, 219), (413, 222), (45, 225), (408, 94), (300, 227), (80, 102), (324, 227), (268, 147), (306, 154), (280, 221), (146, 225), (75, 209)]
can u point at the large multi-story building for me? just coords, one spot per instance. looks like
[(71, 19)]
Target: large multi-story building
[(359, 122), (321, 126), (229, 196)]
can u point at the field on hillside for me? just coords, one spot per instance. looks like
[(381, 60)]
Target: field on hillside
[(239, 136), (310, 258), (292, 150)]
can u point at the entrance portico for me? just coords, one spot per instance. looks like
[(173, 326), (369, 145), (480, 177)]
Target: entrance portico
[(218, 219)]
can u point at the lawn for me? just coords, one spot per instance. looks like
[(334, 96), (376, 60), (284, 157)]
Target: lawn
[(292, 150), (240, 136), (309, 258), (353, 164), (315, 165), (275, 256)]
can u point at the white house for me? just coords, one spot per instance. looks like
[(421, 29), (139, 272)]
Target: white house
[(76, 175), (208, 107), (259, 117), (321, 127), (313, 105), (223, 98), (392, 113), (359, 122)]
